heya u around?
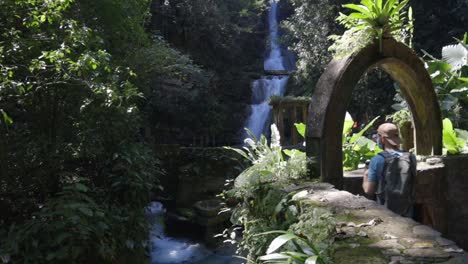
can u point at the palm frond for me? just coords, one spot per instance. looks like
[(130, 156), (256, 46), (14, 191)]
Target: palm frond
[(455, 55)]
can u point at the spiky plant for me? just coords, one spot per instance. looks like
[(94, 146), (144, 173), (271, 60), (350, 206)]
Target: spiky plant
[(371, 20)]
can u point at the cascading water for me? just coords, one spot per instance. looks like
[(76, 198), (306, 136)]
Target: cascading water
[(274, 60), (267, 86), (167, 250)]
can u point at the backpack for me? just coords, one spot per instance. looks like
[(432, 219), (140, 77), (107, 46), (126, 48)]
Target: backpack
[(396, 185)]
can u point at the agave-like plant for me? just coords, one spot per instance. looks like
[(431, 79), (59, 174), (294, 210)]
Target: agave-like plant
[(373, 19)]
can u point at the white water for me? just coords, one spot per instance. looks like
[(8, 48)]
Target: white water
[(267, 86), (275, 60), (262, 90), (167, 250)]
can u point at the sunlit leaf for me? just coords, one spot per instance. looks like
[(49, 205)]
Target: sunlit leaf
[(279, 241), (301, 129)]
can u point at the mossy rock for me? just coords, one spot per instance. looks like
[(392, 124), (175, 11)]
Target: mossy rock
[(350, 217), (362, 254)]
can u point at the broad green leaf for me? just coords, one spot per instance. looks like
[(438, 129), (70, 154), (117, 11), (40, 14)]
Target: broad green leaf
[(388, 6), (397, 8), (272, 232), (280, 241), (367, 3), (379, 4), (240, 152), (288, 152), (296, 255), (360, 133), (348, 123), (358, 15), (311, 260), (359, 8), (301, 129), (451, 142), (439, 70), (274, 256)]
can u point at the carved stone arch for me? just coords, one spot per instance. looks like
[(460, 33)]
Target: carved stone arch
[(333, 92)]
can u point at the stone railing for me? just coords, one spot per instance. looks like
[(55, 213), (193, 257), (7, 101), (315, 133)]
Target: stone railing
[(372, 234), (441, 195)]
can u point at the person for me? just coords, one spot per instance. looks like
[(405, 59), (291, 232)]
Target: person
[(390, 174)]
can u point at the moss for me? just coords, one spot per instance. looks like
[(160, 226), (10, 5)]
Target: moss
[(363, 254), (307, 202), (350, 217)]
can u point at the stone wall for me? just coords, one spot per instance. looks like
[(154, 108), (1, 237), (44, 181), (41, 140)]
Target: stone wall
[(441, 196), (456, 175)]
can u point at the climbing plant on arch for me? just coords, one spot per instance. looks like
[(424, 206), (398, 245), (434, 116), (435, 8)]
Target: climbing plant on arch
[(333, 92)]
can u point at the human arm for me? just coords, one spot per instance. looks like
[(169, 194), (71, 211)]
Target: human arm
[(367, 186), (371, 175)]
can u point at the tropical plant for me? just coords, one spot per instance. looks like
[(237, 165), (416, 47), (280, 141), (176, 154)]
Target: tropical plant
[(357, 148), (454, 140), (372, 21), (450, 79), (304, 251), (263, 205), (269, 164)]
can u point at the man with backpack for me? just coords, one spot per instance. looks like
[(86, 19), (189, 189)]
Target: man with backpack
[(391, 173)]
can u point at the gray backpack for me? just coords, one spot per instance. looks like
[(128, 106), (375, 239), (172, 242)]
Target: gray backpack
[(396, 186)]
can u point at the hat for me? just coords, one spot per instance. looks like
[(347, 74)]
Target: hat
[(390, 132)]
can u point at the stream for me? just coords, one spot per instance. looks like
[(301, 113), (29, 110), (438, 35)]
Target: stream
[(169, 250)]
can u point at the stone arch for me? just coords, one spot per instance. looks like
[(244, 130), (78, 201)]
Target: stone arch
[(333, 92)]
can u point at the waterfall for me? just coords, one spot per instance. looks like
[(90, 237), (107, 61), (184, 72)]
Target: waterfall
[(267, 86), (274, 60)]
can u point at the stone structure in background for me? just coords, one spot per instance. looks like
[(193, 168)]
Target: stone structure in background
[(287, 111), (333, 92)]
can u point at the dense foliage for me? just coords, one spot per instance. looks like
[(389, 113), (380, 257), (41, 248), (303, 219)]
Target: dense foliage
[(75, 172), (371, 21), (450, 79), (79, 83), (308, 30), (312, 22), (226, 38), (265, 207)]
